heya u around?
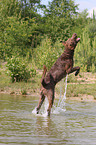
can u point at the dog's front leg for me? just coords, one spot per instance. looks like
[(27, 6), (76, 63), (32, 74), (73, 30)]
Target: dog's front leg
[(71, 70), (77, 70)]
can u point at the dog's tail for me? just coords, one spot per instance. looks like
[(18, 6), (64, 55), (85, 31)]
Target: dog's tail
[(44, 73), (44, 84)]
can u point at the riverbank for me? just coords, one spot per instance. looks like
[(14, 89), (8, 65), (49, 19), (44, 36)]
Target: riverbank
[(81, 88)]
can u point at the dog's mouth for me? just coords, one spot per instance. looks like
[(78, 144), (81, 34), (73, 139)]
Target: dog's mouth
[(74, 36), (77, 40)]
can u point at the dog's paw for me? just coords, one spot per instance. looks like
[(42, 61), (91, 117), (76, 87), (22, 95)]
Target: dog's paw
[(37, 111), (77, 72)]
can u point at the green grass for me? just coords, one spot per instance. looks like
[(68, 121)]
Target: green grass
[(80, 85), (76, 89), (31, 86), (76, 85)]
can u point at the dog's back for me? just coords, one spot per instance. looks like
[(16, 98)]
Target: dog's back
[(64, 63)]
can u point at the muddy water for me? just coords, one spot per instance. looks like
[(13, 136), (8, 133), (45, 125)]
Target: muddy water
[(76, 125)]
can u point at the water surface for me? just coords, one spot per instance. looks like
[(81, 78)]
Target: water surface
[(76, 125)]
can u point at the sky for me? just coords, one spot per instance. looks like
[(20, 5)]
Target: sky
[(83, 4)]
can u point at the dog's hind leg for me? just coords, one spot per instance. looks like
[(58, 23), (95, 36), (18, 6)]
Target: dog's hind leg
[(51, 101), (41, 100)]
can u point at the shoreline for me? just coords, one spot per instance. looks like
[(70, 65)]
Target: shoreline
[(79, 88), (80, 98)]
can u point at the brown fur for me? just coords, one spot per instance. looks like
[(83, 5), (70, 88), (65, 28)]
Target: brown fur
[(63, 66)]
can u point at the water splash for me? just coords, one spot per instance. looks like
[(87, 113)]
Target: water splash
[(56, 109), (43, 110), (34, 111), (61, 103)]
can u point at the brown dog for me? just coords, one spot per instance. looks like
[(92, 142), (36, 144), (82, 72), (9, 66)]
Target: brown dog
[(63, 66)]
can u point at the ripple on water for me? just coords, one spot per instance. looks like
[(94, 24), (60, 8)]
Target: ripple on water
[(19, 126)]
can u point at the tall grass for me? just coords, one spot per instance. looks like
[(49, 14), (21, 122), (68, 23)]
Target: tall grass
[(85, 54)]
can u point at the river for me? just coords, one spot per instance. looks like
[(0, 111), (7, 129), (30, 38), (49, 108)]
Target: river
[(76, 125)]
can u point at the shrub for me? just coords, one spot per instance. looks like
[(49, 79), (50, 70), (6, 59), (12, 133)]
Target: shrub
[(18, 36), (19, 70), (46, 54)]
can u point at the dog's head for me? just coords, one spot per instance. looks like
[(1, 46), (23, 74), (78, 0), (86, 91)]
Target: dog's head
[(71, 42)]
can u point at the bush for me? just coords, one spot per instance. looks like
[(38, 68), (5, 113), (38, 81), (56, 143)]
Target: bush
[(46, 54), (19, 70), (18, 36)]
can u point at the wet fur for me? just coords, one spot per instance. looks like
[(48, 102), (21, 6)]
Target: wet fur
[(63, 66)]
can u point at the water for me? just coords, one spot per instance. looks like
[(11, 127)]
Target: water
[(56, 109), (76, 125), (61, 103)]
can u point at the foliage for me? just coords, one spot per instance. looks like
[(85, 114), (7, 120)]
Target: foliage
[(46, 54), (81, 20), (18, 36), (93, 67), (9, 8), (23, 30), (19, 70), (85, 55), (91, 29), (30, 7), (59, 19)]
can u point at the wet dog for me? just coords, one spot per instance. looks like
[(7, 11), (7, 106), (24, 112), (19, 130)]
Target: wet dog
[(62, 67)]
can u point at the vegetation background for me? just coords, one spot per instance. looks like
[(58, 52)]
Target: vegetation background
[(30, 35)]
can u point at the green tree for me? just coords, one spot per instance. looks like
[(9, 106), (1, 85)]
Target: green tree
[(18, 37), (80, 21), (30, 8), (19, 33), (59, 18), (9, 8)]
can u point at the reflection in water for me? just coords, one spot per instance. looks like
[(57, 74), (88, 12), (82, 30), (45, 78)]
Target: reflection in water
[(19, 126)]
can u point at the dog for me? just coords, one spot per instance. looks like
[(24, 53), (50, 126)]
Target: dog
[(62, 67)]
